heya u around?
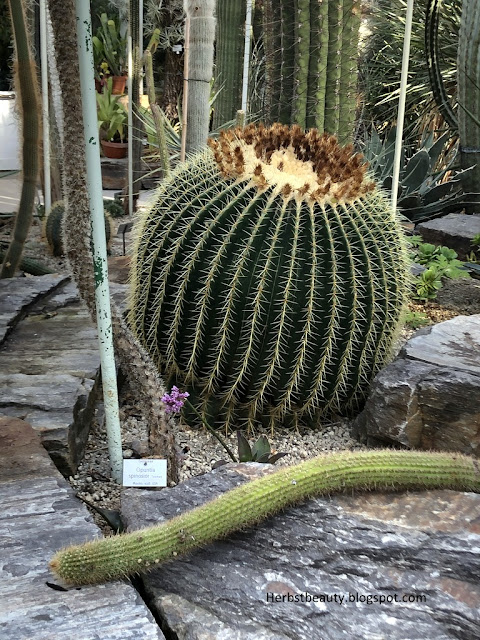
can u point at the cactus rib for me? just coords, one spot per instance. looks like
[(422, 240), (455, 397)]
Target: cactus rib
[(248, 504)]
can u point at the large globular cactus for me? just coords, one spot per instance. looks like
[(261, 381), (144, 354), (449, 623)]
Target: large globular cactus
[(269, 277), (143, 550)]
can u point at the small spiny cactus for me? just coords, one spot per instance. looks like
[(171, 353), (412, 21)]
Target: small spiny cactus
[(269, 278), (53, 228)]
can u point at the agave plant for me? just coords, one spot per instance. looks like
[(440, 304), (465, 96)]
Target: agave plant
[(429, 183)]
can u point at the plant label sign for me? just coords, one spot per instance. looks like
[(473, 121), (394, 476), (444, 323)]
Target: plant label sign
[(144, 473)]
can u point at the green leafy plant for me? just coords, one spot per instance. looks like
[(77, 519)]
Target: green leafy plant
[(416, 319), (440, 262), (261, 451), (110, 47), (111, 114)]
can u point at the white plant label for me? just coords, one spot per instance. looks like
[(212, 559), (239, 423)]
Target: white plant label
[(144, 473)]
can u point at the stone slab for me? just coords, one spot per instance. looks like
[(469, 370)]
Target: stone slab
[(420, 545), (49, 364), (455, 230), (17, 294), (38, 515), (453, 343)]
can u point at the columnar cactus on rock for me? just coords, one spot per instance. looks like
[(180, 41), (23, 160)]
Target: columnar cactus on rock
[(269, 277), (248, 504)]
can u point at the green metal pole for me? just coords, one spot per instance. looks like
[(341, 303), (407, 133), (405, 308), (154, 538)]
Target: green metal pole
[(102, 294)]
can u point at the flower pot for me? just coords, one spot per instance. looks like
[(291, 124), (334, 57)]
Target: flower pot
[(114, 149), (118, 86)]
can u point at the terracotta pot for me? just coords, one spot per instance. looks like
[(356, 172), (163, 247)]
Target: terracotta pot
[(118, 85), (114, 149)]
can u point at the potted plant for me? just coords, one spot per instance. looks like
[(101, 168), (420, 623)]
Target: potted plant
[(110, 53), (112, 120)]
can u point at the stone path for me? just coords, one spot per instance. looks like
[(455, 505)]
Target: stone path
[(48, 363), (39, 515)]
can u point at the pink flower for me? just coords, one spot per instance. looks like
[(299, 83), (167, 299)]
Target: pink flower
[(174, 400)]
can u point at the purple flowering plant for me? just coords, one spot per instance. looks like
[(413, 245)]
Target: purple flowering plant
[(174, 400)]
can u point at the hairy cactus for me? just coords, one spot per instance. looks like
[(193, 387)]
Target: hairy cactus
[(269, 277), (53, 228), (248, 504)]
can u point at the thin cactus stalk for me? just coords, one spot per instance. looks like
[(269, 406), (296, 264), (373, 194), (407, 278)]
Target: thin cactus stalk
[(200, 71), (286, 57), (134, 99), (142, 375), (27, 89), (269, 278), (317, 83), (348, 71), (250, 503), (229, 45), (302, 52), (468, 93)]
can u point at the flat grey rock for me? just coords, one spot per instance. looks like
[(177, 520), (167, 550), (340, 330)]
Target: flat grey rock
[(49, 363), (424, 547), (453, 343), (456, 230), (17, 294), (39, 515)]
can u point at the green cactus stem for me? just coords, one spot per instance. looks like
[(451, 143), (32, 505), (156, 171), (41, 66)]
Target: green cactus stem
[(200, 71), (158, 116), (317, 83), (468, 93), (229, 45), (26, 79), (246, 505), (348, 71), (334, 69), (302, 52), (53, 228), (269, 278)]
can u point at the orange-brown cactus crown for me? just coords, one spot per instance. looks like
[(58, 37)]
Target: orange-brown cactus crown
[(309, 166)]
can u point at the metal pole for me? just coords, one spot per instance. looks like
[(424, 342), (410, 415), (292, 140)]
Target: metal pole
[(130, 118), (401, 103), (246, 55), (102, 294), (47, 195), (186, 48)]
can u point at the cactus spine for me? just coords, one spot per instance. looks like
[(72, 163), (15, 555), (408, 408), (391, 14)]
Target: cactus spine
[(246, 505), (269, 277), (53, 228), (468, 93), (27, 89), (229, 44)]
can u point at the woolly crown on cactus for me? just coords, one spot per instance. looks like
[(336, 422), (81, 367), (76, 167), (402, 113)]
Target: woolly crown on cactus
[(269, 278)]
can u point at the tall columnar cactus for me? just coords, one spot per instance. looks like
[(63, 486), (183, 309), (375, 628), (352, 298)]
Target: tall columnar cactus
[(29, 103), (142, 550), (311, 63), (469, 93), (229, 45), (200, 71), (269, 277), (53, 228)]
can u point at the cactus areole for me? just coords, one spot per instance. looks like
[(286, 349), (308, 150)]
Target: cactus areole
[(269, 277)]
